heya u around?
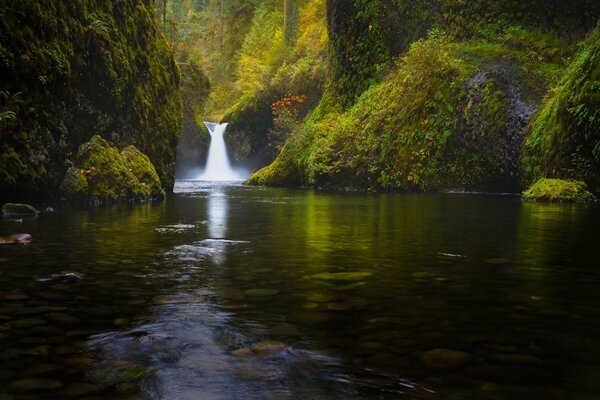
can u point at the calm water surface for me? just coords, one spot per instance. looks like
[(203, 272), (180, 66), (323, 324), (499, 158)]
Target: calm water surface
[(233, 292)]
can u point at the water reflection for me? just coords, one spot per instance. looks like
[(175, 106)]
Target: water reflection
[(254, 293), (216, 208)]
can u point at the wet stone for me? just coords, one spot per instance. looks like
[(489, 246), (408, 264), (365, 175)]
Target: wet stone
[(82, 389), (522, 359), (261, 292), (319, 298), (342, 276), (33, 384), (37, 351), (423, 275), (268, 346), (445, 359), (241, 352), (16, 297), (497, 261), (28, 323), (62, 318), (40, 369)]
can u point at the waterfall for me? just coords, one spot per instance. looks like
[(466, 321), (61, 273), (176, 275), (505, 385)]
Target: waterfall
[(217, 165)]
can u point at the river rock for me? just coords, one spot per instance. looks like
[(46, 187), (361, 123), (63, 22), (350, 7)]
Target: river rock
[(18, 209), (241, 352), (28, 323), (62, 318), (261, 292), (445, 359), (80, 389), (268, 346), (497, 261), (21, 238), (342, 276), (522, 359), (30, 385)]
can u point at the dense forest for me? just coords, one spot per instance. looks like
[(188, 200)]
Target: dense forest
[(376, 95)]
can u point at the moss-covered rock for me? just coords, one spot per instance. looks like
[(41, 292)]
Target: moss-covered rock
[(71, 69), (558, 190), (103, 173)]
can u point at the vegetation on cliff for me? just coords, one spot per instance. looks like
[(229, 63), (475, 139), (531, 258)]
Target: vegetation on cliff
[(564, 141), (71, 69), (454, 109)]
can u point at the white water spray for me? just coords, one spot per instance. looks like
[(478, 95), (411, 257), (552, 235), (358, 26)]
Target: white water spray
[(218, 167)]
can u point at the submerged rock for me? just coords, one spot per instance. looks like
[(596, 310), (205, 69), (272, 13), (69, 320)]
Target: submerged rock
[(30, 385), (21, 237), (261, 292), (445, 359), (18, 209), (342, 276)]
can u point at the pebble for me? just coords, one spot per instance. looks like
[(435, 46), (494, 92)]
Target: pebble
[(261, 292), (268, 346), (497, 261), (422, 275), (40, 369), (522, 359), (342, 276), (80, 389), (241, 352), (319, 298), (33, 384), (62, 318), (445, 359), (28, 323)]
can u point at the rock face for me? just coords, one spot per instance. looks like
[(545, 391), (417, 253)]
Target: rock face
[(18, 209), (102, 173), (69, 70), (194, 141)]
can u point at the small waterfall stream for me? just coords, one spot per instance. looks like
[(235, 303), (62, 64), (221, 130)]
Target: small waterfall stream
[(218, 167)]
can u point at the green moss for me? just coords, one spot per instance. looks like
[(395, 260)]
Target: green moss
[(558, 190), (102, 173), (564, 140), (445, 117)]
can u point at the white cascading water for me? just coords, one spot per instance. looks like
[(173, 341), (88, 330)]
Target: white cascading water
[(217, 165)]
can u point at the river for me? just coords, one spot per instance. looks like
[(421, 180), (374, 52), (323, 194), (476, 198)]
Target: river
[(235, 292)]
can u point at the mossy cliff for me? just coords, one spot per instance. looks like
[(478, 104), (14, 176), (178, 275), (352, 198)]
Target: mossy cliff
[(194, 141), (255, 134), (454, 109), (71, 69), (564, 139), (102, 173)]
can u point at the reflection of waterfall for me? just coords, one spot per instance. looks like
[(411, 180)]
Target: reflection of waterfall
[(217, 215), (217, 165)]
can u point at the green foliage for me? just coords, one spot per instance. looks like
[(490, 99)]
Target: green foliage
[(558, 190), (103, 173), (564, 141), (439, 120)]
